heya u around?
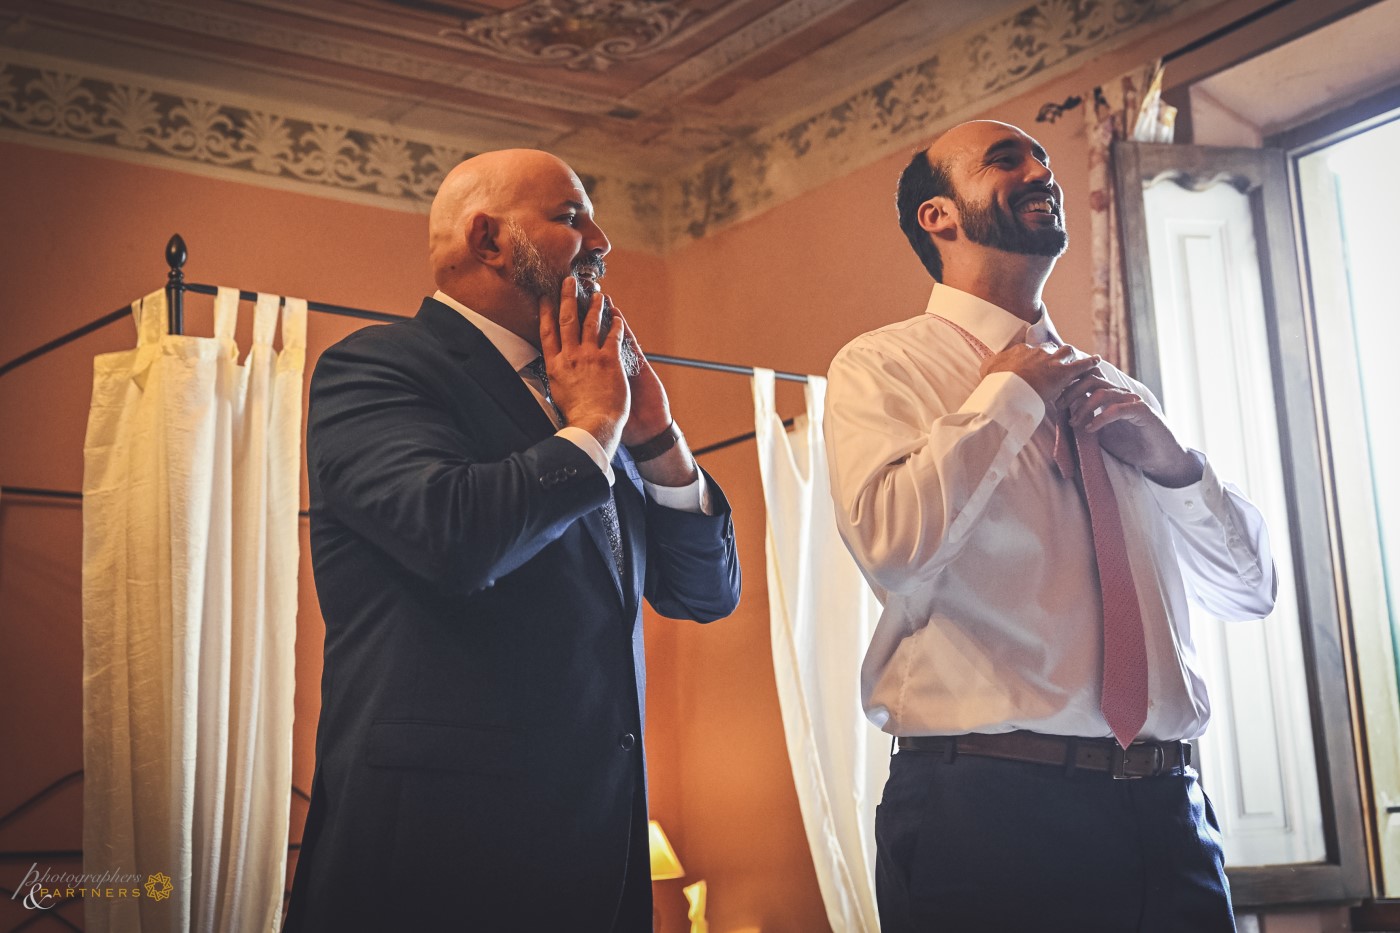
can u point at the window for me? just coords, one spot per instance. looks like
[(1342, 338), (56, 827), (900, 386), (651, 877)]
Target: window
[(1222, 335)]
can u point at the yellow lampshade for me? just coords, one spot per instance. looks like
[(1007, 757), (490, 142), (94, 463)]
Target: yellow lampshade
[(664, 864)]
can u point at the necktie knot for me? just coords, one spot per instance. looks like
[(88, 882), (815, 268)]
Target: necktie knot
[(537, 369)]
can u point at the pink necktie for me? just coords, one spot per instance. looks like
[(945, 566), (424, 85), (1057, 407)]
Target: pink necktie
[(1124, 699)]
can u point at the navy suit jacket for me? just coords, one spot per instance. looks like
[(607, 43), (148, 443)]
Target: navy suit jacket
[(480, 739)]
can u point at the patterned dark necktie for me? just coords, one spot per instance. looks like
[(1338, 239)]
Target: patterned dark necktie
[(607, 510)]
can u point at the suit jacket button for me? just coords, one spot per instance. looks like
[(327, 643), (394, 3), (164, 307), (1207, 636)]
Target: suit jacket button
[(627, 741)]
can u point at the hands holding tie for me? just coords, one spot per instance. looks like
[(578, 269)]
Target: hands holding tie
[(1127, 426)]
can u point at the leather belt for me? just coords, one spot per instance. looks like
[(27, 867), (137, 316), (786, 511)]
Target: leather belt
[(1139, 760)]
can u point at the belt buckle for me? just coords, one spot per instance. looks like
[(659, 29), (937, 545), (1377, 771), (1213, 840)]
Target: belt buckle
[(1118, 763)]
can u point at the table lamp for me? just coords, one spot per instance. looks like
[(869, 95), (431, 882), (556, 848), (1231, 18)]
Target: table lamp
[(665, 866)]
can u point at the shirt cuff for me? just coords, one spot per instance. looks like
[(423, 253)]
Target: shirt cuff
[(694, 497), (588, 444), (1010, 401), (1194, 503)]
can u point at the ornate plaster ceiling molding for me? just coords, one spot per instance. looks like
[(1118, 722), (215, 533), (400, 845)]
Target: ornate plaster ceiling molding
[(734, 49), (51, 102), (965, 73), (578, 34), (202, 21), (117, 113)]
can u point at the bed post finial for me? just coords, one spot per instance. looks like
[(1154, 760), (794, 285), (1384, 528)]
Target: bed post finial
[(175, 256)]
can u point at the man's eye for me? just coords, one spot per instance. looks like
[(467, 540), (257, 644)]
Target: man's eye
[(570, 219)]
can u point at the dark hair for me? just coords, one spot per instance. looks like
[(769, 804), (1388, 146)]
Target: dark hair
[(919, 181)]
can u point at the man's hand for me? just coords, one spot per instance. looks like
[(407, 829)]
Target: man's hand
[(584, 363), (1130, 429), (1048, 372), (651, 410), (650, 415)]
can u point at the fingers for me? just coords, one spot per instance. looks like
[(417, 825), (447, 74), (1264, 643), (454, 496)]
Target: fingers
[(1080, 389), (591, 330), (1092, 392), (615, 328), (1126, 410), (628, 337), (559, 323), (1068, 370), (1082, 407), (552, 320)]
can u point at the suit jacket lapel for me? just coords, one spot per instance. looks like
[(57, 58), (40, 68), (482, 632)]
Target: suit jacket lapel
[(631, 513), (593, 523), (484, 363)]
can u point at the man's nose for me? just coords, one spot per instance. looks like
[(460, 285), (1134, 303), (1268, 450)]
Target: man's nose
[(595, 240), (1040, 173)]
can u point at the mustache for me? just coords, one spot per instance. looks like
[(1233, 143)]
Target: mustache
[(593, 264)]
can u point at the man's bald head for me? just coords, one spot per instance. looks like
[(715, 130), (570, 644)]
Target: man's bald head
[(968, 140), (994, 181), (496, 184)]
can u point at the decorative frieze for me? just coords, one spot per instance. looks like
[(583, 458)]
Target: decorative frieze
[(962, 74), (265, 142)]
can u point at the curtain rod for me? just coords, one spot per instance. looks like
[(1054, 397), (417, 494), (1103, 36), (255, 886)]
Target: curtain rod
[(176, 254), (68, 495), (389, 317)]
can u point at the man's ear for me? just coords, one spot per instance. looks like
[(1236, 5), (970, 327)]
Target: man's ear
[(484, 240), (939, 216)]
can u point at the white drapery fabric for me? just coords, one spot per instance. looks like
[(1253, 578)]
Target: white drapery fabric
[(190, 555), (822, 616)]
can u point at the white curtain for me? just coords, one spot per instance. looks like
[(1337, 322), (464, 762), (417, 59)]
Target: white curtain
[(822, 616), (190, 556)]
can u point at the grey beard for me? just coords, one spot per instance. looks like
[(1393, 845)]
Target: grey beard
[(631, 363), (531, 275)]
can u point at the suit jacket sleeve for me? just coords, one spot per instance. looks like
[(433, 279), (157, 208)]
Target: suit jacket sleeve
[(692, 563), (393, 464)]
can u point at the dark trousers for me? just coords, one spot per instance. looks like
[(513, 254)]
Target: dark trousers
[(982, 844)]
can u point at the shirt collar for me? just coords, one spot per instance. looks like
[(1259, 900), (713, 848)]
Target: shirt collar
[(993, 325), (518, 352)]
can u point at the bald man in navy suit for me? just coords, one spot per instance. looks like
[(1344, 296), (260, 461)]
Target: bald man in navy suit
[(496, 484)]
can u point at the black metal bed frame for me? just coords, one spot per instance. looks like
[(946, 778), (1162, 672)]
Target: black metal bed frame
[(176, 255)]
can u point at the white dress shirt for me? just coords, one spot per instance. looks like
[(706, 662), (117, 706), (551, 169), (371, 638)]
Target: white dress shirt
[(982, 555), (519, 353)]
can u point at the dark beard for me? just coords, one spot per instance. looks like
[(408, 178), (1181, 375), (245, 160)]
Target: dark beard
[(992, 225), (535, 278)]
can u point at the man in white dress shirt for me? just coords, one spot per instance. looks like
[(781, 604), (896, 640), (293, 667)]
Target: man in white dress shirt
[(1010, 804)]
